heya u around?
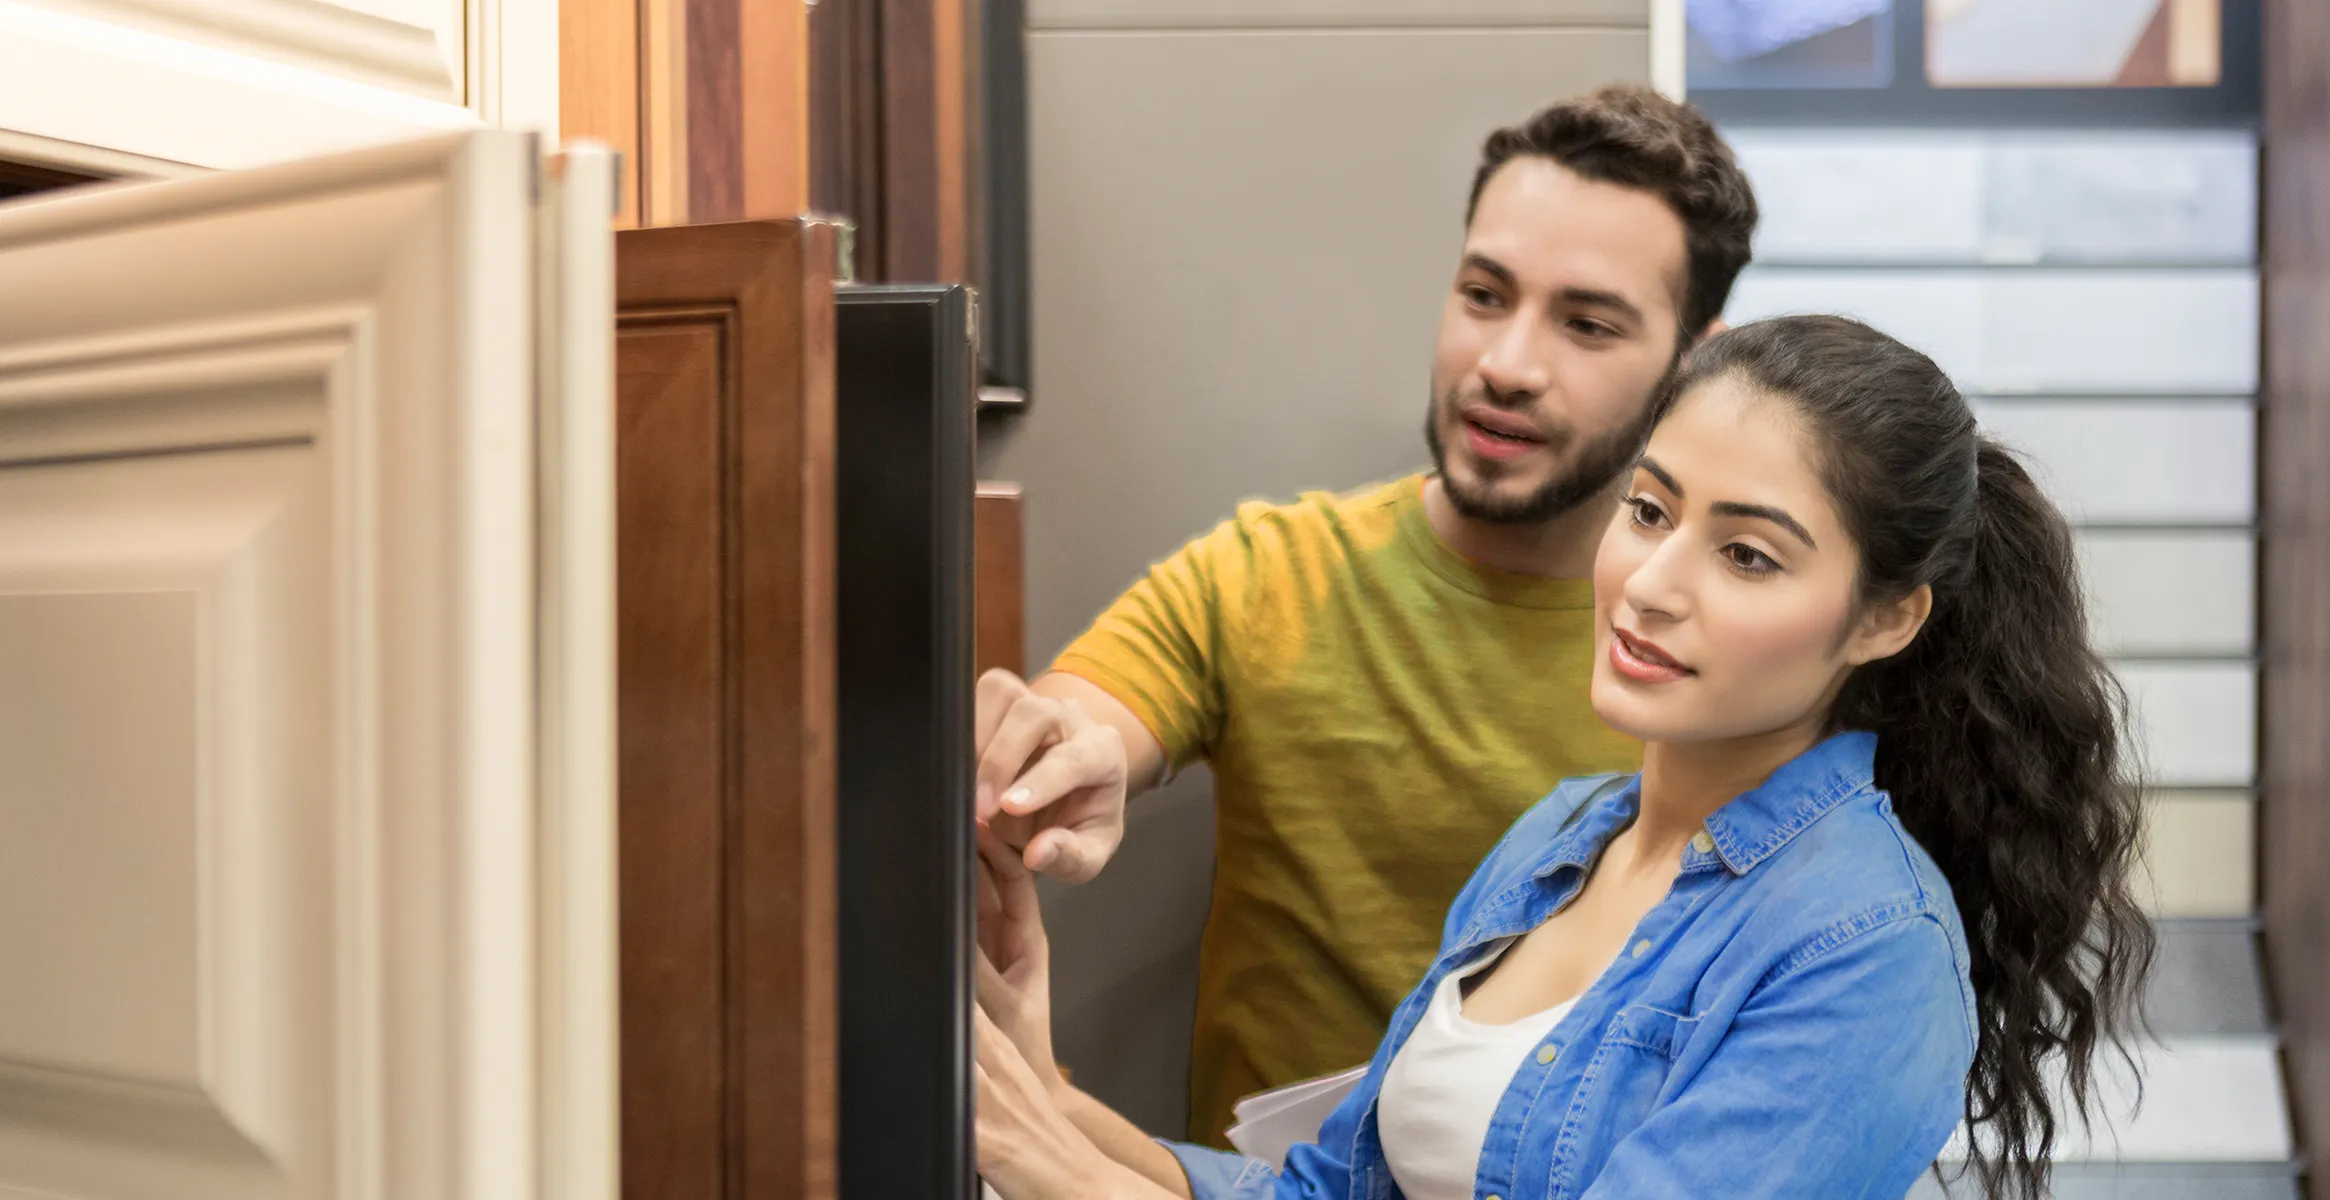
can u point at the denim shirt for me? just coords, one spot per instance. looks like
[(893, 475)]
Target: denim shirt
[(1794, 1019)]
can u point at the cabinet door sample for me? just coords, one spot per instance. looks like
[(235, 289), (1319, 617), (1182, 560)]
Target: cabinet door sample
[(130, 85), (300, 837), (725, 614)]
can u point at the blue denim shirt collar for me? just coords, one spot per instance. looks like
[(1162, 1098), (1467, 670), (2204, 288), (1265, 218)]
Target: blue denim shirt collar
[(1749, 829)]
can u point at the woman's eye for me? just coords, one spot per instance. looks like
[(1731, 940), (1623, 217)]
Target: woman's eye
[(1647, 512), (1480, 296), (1750, 559)]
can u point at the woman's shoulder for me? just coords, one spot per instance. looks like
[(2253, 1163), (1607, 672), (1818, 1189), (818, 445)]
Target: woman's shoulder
[(1530, 840), (1849, 875), (1859, 855)]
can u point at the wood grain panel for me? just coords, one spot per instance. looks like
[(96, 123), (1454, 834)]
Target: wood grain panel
[(910, 176), (2294, 821), (663, 134), (951, 139), (775, 117), (670, 713), (599, 85), (891, 111), (845, 120), (715, 92), (998, 525), (726, 634), (923, 190)]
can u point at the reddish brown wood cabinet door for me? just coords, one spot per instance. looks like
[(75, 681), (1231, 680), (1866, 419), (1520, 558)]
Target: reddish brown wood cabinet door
[(1002, 578), (725, 672)]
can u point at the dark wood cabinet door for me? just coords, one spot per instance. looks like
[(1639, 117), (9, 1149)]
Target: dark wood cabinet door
[(725, 675)]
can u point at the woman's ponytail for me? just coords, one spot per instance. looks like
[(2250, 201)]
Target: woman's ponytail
[(2001, 735)]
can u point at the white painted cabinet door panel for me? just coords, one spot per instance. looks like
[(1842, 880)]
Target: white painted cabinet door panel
[(305, 816), (115, 84)]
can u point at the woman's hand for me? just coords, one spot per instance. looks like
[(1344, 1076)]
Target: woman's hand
[(1027, 1147), (1014, 967)]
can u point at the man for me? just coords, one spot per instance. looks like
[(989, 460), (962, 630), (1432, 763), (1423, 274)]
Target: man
[(1383, 681)]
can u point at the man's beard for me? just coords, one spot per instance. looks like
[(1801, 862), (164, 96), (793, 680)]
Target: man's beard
[(1594, 470)]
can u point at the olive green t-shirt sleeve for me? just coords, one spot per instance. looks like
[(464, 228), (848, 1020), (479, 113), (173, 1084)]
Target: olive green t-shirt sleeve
[(1159, 648)]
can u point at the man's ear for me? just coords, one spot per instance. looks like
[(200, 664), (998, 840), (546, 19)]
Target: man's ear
[(1716, 326)]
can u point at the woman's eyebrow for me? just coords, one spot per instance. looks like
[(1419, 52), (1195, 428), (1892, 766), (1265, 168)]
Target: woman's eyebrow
[(1765, 512)]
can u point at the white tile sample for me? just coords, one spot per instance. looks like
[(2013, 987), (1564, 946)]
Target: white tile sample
[(2154, 592), (2175, 462), (2086, 331), (2128, 197), (1894, 196), (2196, 722), (2206, 1099), (1969, 196)]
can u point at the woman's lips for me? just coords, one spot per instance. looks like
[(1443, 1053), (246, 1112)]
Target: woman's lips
[(1643, 661)]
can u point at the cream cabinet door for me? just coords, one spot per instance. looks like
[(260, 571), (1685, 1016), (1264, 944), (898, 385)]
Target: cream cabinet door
[(306, 797), (157, 86)]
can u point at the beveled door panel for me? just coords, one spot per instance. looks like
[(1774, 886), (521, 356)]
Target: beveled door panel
[(270, 779), (119, 85), (724, 367)]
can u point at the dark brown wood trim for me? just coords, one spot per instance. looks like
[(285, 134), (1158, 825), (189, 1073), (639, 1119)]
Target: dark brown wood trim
[(909, 129), (2294, 442), (715, 89)]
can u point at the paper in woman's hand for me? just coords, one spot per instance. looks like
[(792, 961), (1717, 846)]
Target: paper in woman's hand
[(1271, 1123)]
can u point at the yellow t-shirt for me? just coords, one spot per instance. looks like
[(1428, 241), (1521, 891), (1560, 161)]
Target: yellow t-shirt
[(1376, 710)]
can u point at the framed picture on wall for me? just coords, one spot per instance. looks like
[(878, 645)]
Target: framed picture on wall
[(1861, 62)]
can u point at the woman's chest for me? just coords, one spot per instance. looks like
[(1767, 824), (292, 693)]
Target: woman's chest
[(1562, 957)]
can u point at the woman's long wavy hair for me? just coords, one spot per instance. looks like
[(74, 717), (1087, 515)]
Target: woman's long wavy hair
[(2001, 735)]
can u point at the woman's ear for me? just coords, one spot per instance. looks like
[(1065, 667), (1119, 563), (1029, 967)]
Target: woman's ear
[(1885, 630)]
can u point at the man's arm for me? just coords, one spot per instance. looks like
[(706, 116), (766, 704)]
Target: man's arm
[(1140, 691)]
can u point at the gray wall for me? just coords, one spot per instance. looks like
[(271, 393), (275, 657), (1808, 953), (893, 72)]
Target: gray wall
[(1244, 216)]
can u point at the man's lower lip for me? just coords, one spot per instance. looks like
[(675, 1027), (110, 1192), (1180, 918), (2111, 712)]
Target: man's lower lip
[(1489, 445), (1641, 670)]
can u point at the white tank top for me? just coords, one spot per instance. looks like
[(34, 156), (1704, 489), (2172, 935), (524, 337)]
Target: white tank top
[(1444, 1085)]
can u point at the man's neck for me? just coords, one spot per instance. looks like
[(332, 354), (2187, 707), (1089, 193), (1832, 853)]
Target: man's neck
[(1560, 547)]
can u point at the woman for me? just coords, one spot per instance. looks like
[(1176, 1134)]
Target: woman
[(1872, 880)]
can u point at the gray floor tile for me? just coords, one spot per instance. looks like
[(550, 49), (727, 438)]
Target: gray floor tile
[(2149, 1181), (2206, 979)]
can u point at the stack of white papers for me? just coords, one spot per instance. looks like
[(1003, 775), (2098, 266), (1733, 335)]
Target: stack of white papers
[(1271, 1123)]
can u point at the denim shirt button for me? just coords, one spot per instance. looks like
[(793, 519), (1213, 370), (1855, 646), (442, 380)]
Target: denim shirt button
[(1703, 842), (1642, 947), (1546, 1052)]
